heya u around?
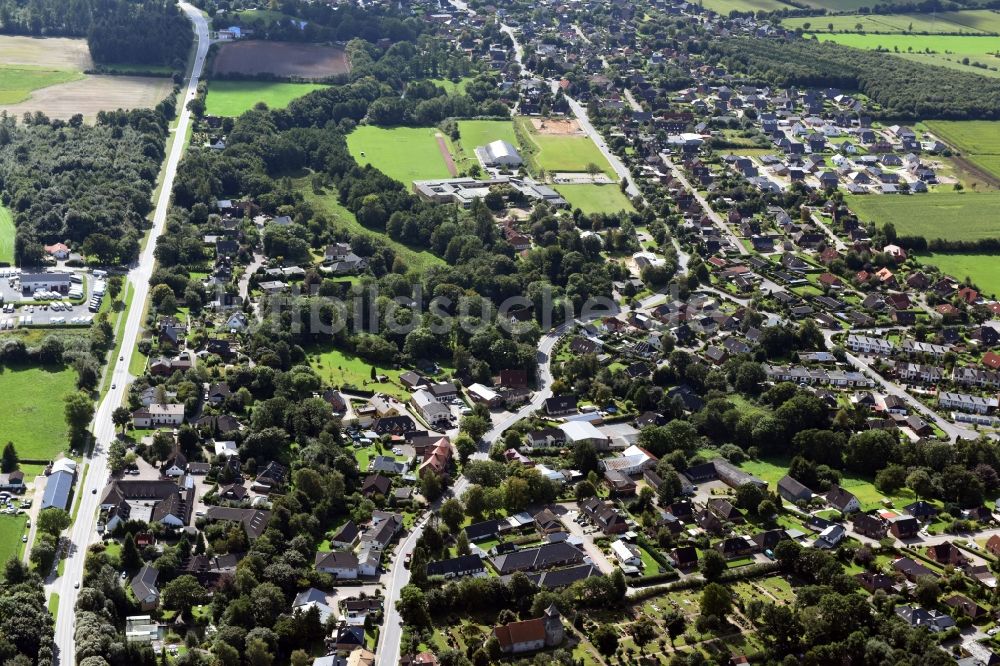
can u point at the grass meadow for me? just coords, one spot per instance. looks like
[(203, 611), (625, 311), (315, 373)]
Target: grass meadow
[(342, 218), (403, 153), (555, 153), (6, 236), (723, 7), (453, 87), (592, 198), (942, 50), (977, 140), (960, 215), (232, 98), (983, 269), (346, 370), (11, 530), (18, 82), (33, 409), (973, 22)]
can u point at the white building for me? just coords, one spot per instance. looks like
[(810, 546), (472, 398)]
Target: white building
[(499, 154), (626, 553), (158, 415), (583, 431), (429, 408)]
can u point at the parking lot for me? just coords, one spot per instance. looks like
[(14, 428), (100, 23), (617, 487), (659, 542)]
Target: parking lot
[(43, 308)]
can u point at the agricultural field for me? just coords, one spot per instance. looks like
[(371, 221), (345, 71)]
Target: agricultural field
[(232, 98), (983, 269), (723, 7), (973, 22), (593, 198), (33, 409), (965, 215), (6, 236), (942, 50), (344, 219), (977, 140), (48, 75), (305, 61), (557, 147), (403, 153)]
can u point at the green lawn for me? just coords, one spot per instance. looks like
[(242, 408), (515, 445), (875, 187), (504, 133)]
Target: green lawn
[(723, 7), (453, 87), (474, 133), (342, 218), (977, 21), (572, 153), (592, 198), (18, 81), (342, 369), (404, 153), (232, 98), (11, 530), (983, 269), (6, 236), (33, 409), (54, 604), (958, 215)]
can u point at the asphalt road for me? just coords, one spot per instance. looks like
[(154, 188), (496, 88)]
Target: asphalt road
[(83, 531), (715, 217)]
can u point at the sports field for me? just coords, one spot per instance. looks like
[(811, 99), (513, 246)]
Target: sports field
[(973, 22), (403, 153), (948, 215), (33, 409), (592, 198), (232, 98), (983, 269), (6, 236), (342, 218), (563, 152), (474, 133)]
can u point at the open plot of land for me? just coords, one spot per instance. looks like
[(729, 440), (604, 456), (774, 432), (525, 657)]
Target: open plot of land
[(403, 153), (92, 94), (563, 152), (307, 61), (453, 87), (11, 529), (595, 198), (983, 269), (842, 6), (342, 218), (941, 50), (232, 98), (6, 236), (17, 83), (346, 370), (46, 53), (959, 216), (973, 22), (977, 140), (723, 7), (33, 409)]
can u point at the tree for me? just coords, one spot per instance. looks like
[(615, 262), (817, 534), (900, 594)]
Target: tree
[(79, 412), (585, 457), (643, 630), (712, 564), (670, 486), (258, 653), (606, 639), (430, 486), (475, 501), (53, 521), (927, 591), (121, 417), (475, 426), (890, 479), (462, 543), (10, 460), (182, 594), (130, 558), (716, 600), (412, 607), (452, 514), (676, 624), (919, 481)]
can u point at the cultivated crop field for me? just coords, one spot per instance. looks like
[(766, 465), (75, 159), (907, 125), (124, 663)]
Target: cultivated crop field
[(973, 22), (950, 215), (984, 269), (33, 409), (563, 152), (594, 198), (723, 7), (53, 53), (307, 61), (942, 50), (91, 94), (403, 153), (232, 98)]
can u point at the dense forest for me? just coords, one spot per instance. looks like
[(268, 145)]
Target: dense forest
[(903, 89), (87, 185), (25, 622), (117, 31)]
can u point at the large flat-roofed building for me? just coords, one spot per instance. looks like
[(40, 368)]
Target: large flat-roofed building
[(464, 190), (499, 154)]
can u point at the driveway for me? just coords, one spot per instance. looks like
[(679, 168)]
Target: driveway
[(587, 534)]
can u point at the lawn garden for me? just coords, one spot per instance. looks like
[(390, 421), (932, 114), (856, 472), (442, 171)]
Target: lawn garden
[(6, 236), (404, 153), (965, 215), (232, 98), (593, 198), (33, 409), (346, 370), (11, 530)]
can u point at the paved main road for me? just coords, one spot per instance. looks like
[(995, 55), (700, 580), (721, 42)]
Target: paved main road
[(83, 530)]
